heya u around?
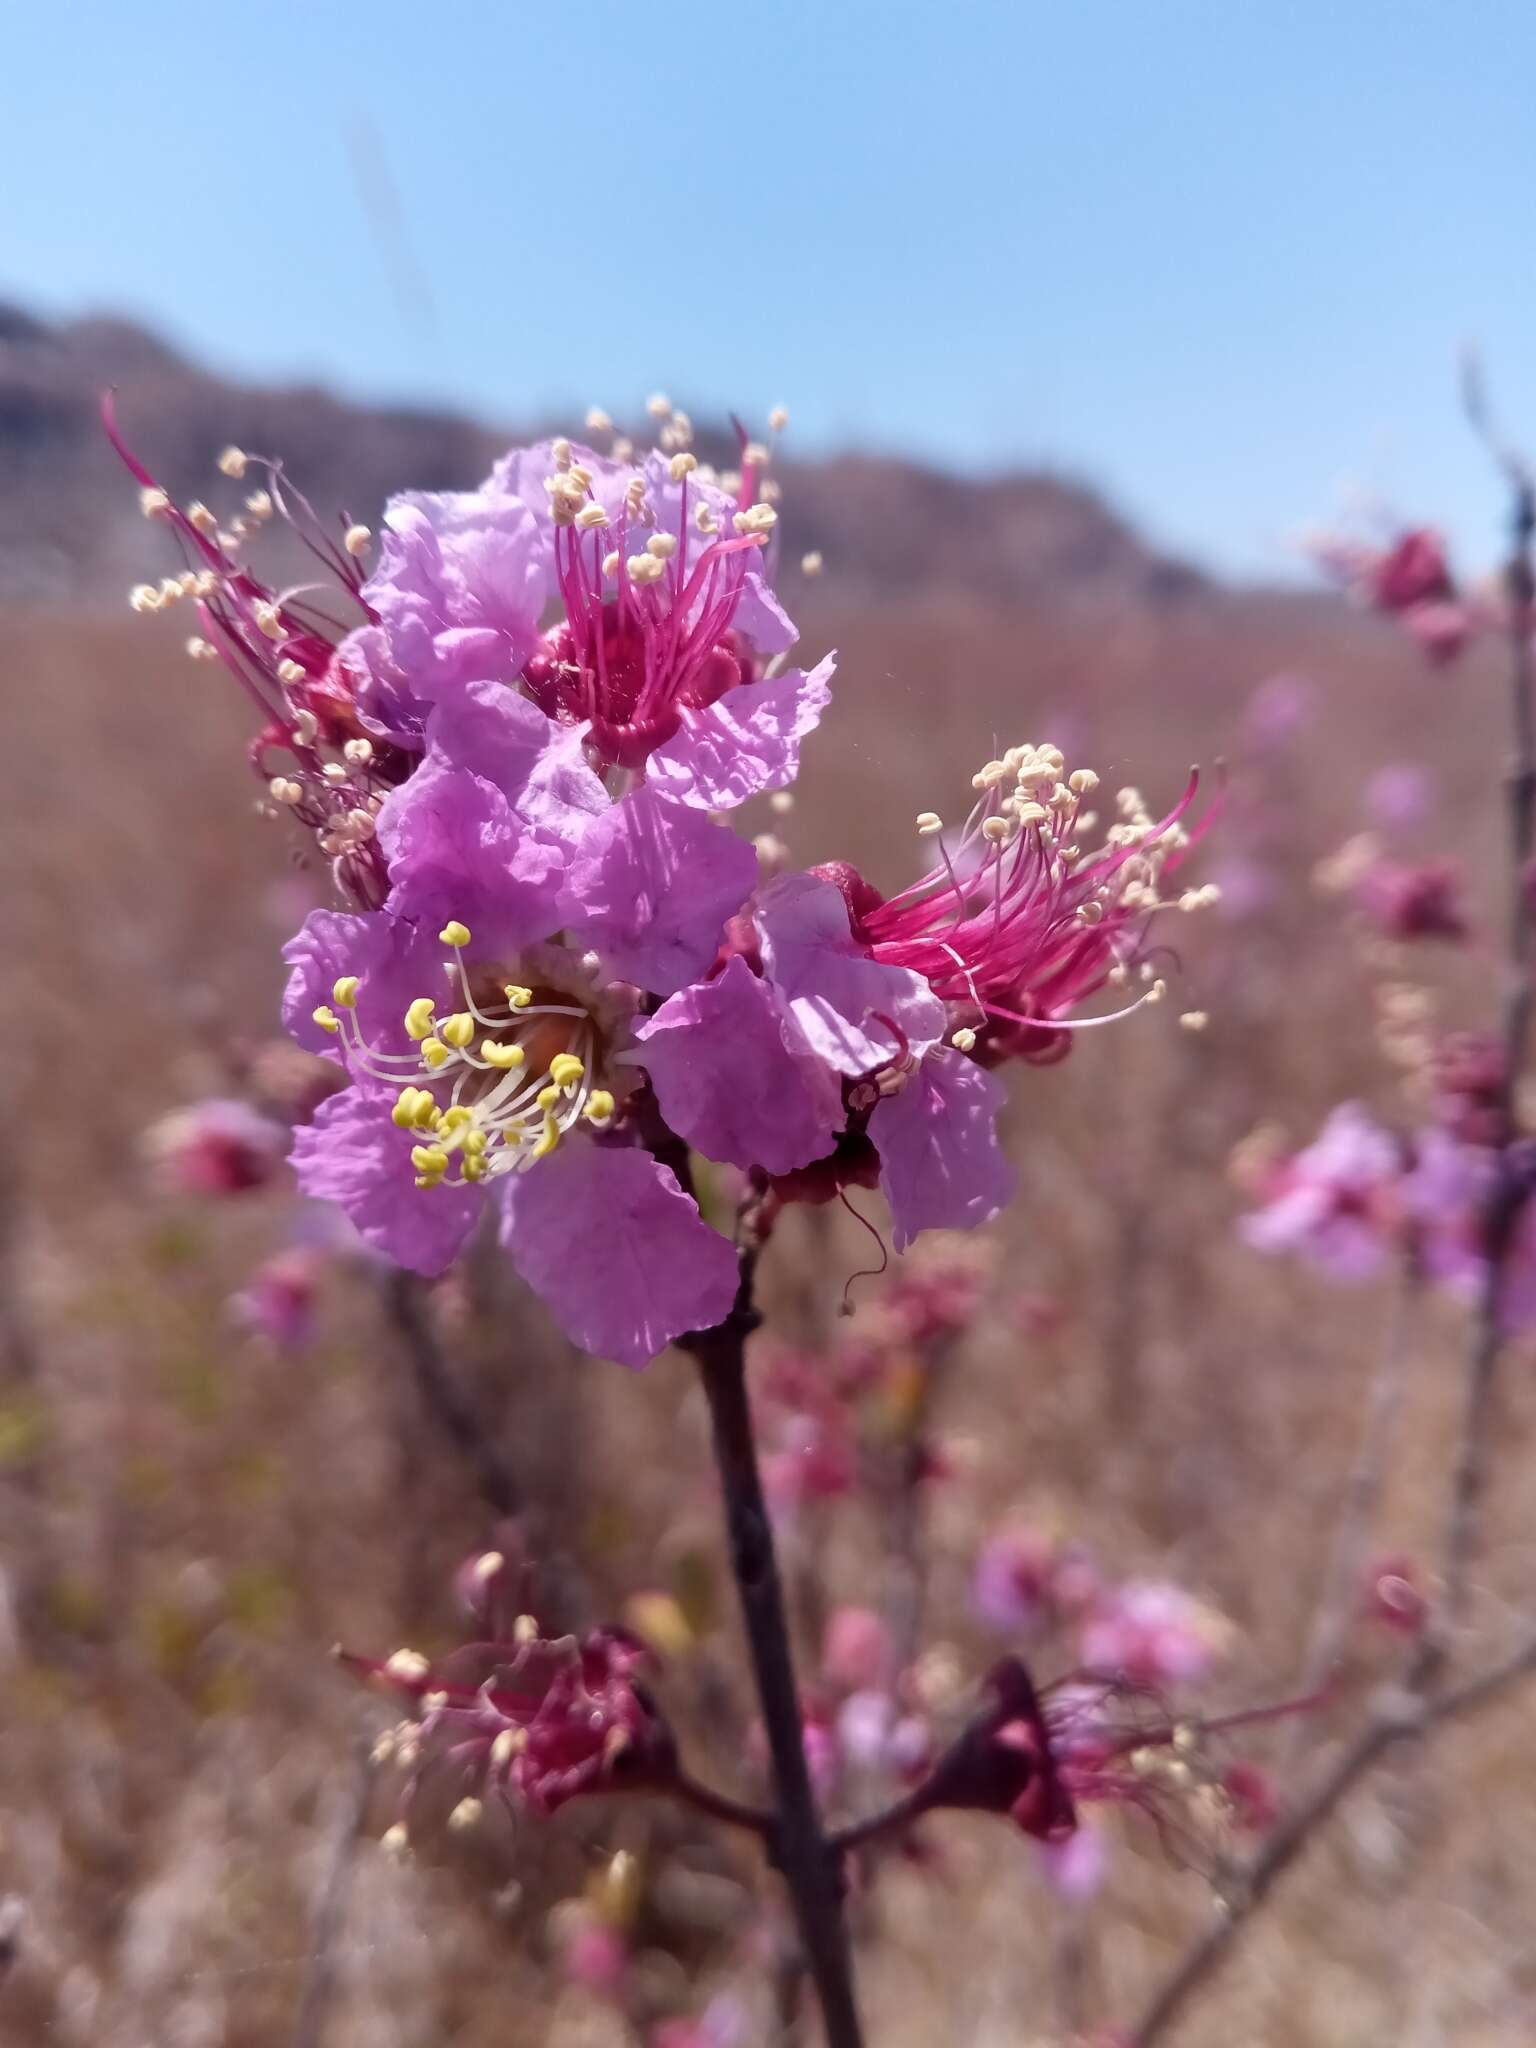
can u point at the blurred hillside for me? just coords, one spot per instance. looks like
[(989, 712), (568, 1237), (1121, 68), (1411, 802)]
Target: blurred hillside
[(67, 532)]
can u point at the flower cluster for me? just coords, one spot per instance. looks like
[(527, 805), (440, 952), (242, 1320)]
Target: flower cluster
[(557, 968), (1360, 1195)]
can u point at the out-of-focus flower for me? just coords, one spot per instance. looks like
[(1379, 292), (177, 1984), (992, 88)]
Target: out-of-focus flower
[(593, 1953), (1279, 708), (1467, 1086), (1251, 1796), (1394, 1594), (1152, 1633), (218, 1147), (1337, 1202), (278, 1301), (1038, 1756), (1076, 1866), (1399, 795), (856, 1649), (1422, 901), (722, 2024), (535, 1722), (1409, 579), (937, 1293), (1028, 1578)]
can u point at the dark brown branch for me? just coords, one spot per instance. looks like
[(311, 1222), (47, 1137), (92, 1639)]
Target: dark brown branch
[(811, 1868)]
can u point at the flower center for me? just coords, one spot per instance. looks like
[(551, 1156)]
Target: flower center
[(493, 1086)]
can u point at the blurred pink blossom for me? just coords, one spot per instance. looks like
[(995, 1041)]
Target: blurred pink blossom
[(218, 1147), (1150, 1632), (1336, 1201)]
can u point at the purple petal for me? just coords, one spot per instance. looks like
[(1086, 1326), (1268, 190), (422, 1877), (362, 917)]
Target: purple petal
[(353, 1155), (456, 848), (394, 961), (537, 766), (747, 742), (941, 1167), (652, 886), (857, 1014), (616, 1251), (734, 1078)]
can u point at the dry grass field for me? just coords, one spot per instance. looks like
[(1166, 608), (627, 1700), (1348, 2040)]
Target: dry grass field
[(188, 1521)]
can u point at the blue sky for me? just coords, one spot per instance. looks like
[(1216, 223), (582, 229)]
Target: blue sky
[(1218, 258)]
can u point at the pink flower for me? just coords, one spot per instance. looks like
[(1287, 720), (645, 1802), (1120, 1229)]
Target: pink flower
[(1336, 1202), (218, 1147), (1019, 924), (1026, 1579), (856, 1649), (1149, 1632), (1422, 901), (536, 1721), (1413, 571), (278, 1301), (1394, 1594), (313, 750)]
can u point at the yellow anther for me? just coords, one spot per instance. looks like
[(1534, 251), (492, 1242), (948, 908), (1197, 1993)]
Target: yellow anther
[(327, 1018), (408, 1105), (475, 1143), (356, 540), (418, 1018), (929, 822), (429, 1159), (599, 1107), (963, 1040), (518, 997), (474, 1167), (435, 1053), (590, 517), (457, 1118), (344, 991), (458, 1030), (504, 1056), (454, 934), (232, 462), (565, 1070), (549, 1138), (548, 1099)]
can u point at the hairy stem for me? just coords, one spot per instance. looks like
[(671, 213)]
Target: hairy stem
[(811, 1868)]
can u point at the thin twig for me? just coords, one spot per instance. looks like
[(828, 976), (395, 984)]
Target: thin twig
[(444, 1400), (1509, 1194), (330, 1907), (810, 1867), (1362, 1491)]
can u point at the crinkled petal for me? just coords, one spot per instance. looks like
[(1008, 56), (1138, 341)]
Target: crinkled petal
[(538, 767), (941, 1167), (617, 1252), (351, 1154), (394, 962), (652, 886), (733, 1077), (457, 849), (461, 580), (747, 742), (856, 1013)]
